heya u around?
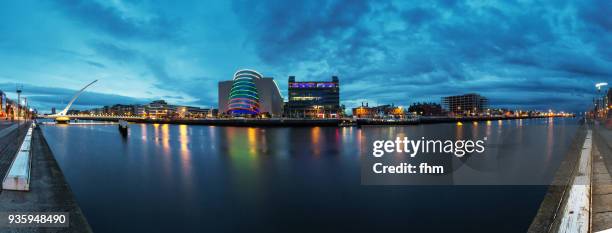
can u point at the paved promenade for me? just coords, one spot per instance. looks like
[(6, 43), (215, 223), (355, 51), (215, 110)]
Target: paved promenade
[(10, 139), (601, 213), (49, 191), (550, 213)]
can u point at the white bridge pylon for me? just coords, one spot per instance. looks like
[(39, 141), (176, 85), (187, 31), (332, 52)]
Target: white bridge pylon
[(65, 111)]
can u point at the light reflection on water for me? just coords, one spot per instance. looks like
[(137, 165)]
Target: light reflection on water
[(227, 179)]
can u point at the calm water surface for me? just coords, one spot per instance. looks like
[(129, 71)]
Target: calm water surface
[(179, 178)]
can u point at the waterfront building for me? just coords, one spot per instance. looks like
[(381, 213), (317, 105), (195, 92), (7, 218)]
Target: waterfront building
[(121, 110), (250, 94), (313, 99), (223, 90), (363, 111), (195, 112), (243, 96), (270, 98), (426, 109), (3, 105), (139, 110), (380, 112), (159, 109), (73, 112), (465, 105), (609, 98)]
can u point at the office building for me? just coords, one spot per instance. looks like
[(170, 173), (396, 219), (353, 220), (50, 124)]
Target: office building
[(426, 109), (223, 89), (313, 99), (3, 105), (121, 110), (139, 110), (381, 112), (250, 94), (609, 99), (159, 109), (195, 112), (465, 105)]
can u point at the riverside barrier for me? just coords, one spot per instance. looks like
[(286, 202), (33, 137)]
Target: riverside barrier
[(18, 176), (575, 217)]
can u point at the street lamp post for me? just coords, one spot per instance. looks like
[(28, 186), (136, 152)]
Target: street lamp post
[(19, 87)]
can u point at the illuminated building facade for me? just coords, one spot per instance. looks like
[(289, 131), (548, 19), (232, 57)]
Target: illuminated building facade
[(313, 99), (383, 112), (609, 99), (243, 97), (3, 105), (426, 109), (250, 94), (468, 104)]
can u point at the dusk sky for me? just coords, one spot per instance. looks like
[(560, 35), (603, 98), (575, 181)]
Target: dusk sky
[(522, 55)]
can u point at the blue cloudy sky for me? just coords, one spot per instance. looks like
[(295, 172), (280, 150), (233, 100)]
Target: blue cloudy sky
[(526, 54)]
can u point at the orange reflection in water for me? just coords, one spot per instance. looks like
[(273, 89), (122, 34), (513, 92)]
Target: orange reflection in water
[(185, 155), (475, 130), (143, 132), (315, 135), (156, 133), (252, 141), (184, 140), (459, 131), (165, 137), (550, 137)]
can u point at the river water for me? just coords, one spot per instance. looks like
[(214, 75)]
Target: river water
[(180, 178)]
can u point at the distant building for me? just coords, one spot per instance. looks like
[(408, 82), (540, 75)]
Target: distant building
[(195, 112), (313, 99), (250, 94), (121, 110), (73, 112), (159, 109), (382, 111), (270, 98), (53, 111), (139, 110), (224, 88), (468, 104), (609, 98), (3, 105), (426, 109)]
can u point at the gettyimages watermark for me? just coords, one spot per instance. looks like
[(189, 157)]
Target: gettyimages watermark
[(422, 146), (520, 155)]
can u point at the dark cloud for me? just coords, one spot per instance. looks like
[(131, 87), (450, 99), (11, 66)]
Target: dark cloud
[(114, 52), (418, 16), (96, 64), (517, 53), (110, 20), (290, 31), (408, 50)]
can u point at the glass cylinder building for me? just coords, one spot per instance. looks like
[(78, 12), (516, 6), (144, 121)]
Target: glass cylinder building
[(244, 97)]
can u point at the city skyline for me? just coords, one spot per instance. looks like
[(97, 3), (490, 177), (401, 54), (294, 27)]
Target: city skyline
[(520, 56)]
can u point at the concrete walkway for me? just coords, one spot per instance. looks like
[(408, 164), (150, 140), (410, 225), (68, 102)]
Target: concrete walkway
[(49, 191), (8, 129), (10, 140), (601, 212), (602, 194)]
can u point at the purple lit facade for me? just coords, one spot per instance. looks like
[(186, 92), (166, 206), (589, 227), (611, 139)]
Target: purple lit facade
[(313, 99), (313, 85)]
